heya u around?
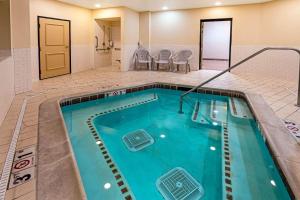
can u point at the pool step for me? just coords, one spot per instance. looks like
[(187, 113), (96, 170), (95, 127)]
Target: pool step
[(201, 113), (218, 111), (239, 108), (210, 112)]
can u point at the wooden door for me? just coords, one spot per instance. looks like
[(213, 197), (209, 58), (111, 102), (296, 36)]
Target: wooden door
[(54, 46)]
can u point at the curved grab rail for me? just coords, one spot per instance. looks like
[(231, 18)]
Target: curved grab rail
[(239, 63), (97, 42)]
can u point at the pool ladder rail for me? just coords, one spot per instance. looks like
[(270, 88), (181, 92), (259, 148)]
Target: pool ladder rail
[(238, 64)]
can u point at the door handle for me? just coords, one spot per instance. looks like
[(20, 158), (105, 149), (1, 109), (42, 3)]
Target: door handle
[(67, 46)]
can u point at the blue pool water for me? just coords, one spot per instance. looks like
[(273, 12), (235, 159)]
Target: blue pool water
[(192, 141)]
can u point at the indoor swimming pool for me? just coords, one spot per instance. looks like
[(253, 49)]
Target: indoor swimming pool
[(137, 146)]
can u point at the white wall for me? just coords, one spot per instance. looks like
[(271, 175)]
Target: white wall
[(108, 58), (116, 37), (129, 31), (7, 80), (254, 26), (102, 58), (82, 46), (216, 39), (7, 91), (145, 29), (130, 38), (20, 24)]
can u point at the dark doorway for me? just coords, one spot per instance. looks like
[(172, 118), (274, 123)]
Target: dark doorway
[(215, 44)]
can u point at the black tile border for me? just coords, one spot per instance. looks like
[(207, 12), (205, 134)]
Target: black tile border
[(94, 96), (124, 188), (75, 99), (226, 163)]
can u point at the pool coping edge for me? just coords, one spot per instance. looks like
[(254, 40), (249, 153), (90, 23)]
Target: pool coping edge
[(255, 103)]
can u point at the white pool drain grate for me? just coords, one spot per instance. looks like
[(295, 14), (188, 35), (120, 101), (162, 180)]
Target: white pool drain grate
[(178, 184), (137, 140)]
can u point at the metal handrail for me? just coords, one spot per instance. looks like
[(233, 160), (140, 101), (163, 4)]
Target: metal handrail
[(237, 64)]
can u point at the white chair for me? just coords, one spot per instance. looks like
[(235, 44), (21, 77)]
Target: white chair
[(183, 57), (164, 57), (142, 56)]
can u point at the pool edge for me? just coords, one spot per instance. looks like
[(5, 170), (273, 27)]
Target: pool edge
[(271, 126), (74, 185)]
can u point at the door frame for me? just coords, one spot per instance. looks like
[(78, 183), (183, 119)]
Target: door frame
[(201, 38), (39, 46)]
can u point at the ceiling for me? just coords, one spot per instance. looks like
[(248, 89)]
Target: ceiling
[(155, 5)]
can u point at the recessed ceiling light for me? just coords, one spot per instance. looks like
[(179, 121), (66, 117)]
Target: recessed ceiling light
[(212, 148), (218, 3), (215, 123), (165, 8), (97, 5), (273, 183), (162, 136), (107, 186)]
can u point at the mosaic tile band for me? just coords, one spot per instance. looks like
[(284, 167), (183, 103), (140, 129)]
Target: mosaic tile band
[(227, 182), (101, 95), (124, 188)]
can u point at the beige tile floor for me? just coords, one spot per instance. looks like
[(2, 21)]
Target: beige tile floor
[(279, 94)]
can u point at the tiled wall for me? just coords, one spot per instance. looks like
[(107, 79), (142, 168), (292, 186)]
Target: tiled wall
[(102, 58), (116, 37), (22, 68), (279, 64), (7, 85), (81, 59), (127, 57)]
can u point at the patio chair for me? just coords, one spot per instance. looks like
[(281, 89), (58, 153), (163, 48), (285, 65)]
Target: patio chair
[(164, 57), (183, 57), (142, 56)]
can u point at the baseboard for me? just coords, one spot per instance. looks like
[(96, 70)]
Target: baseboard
[(216, 59)]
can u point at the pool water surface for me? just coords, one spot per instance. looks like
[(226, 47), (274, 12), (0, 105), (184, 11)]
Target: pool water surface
[(215, 140)]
